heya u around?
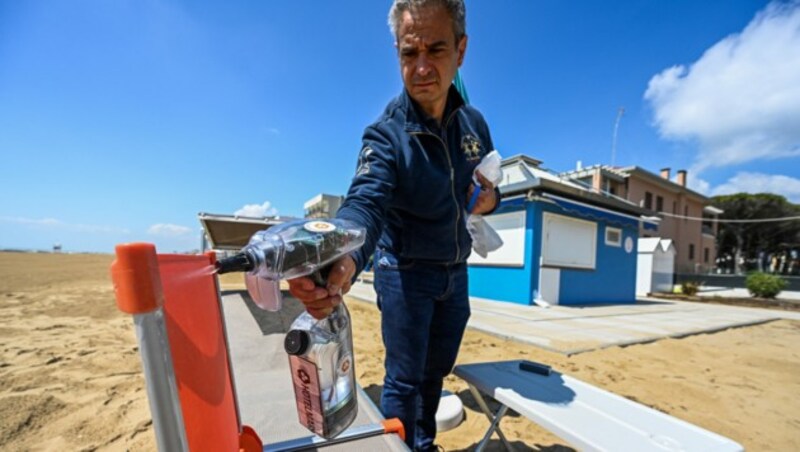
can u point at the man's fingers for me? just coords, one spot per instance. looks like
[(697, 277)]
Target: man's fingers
[(305, 290), (320, 301), (485, 183), (319, 314), (301, 283), (323, 303), (486, 201), (340, 275), (308, 295)]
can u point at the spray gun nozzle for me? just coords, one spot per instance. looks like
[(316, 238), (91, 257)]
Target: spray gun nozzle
[(239, 263)]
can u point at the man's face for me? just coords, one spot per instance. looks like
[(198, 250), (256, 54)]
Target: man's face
[(429, 56)]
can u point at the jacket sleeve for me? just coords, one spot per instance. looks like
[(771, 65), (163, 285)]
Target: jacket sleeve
[(371, 191), (490, 148)]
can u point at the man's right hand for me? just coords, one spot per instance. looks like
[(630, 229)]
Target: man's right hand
[(487, 199), (320, 301)]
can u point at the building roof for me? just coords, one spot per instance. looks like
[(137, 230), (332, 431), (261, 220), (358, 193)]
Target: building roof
[(622, 173), (320, 197), (522, 174), (607, 171), (664, 183)]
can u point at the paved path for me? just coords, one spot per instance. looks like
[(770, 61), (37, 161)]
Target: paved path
[(571, 330), (710, 291)]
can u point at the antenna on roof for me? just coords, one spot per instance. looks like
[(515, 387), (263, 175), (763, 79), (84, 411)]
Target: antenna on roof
[(620, 112)]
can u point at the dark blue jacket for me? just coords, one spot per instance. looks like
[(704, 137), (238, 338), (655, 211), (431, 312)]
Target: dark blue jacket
[(411, 185)]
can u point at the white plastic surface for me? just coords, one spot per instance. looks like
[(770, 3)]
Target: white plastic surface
[(490, 168), (586, 416), (450, 412), (484, 238)]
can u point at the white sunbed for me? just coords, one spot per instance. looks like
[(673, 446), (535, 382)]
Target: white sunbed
[(586, 416)]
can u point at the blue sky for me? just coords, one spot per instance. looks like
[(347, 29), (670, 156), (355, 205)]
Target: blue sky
[(121, 120)]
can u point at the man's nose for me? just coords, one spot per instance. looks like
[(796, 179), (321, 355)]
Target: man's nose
[(423, 65)]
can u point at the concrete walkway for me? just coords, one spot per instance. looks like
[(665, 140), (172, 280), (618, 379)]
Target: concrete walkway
[(723, 292), (571, 330)]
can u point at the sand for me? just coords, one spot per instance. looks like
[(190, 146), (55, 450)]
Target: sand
[(70, 375)]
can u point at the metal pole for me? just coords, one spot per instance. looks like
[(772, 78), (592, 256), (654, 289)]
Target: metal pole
[(159, 375), (315, 442), (620, 112)]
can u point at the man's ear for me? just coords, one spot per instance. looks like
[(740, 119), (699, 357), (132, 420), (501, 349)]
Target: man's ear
[(462, 49)]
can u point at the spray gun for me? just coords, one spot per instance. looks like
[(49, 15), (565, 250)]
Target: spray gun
[(320, 351), (290, 250)]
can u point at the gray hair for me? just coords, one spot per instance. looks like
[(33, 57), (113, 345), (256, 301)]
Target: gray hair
[(455, 8)]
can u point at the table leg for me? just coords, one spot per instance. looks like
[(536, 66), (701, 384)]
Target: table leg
[(494, 419)]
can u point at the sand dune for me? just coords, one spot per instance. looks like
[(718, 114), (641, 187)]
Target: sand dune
[(70, 375)]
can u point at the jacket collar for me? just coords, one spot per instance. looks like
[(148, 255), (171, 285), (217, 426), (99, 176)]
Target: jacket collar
[(419, 121)]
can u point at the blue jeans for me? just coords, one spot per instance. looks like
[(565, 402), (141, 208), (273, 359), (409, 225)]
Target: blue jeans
[(424, 311)]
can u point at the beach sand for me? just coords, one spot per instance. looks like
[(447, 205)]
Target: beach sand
[(70, 374)]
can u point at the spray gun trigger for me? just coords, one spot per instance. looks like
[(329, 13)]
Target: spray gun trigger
[(320, 277), (318, 280)]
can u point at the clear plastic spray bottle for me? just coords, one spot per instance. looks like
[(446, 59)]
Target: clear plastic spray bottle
[(320, 351)]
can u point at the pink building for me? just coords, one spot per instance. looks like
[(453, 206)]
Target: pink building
[(679, 208)]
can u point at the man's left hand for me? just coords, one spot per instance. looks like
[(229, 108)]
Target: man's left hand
[(486, 199)]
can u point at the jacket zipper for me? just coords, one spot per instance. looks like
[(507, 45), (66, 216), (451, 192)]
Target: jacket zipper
[(452, 178)]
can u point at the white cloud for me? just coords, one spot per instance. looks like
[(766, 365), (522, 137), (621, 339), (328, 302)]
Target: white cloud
[(741, 100), (257, 210), (53, 223), (697, 184), (32, 221), (169, 230), (745, 182)]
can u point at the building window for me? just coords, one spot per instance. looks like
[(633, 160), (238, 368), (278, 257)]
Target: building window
[(613, 236), (685, 213), (648, 200), (705, 255), (659, 204), (674, 207), (691, 251)]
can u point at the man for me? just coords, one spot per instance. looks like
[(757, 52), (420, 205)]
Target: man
[(410, 192)]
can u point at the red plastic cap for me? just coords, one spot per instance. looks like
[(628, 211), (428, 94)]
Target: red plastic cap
[(249, 440), (137, 283), (394, 425)]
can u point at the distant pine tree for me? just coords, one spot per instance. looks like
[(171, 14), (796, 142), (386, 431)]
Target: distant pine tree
[(753, 241)]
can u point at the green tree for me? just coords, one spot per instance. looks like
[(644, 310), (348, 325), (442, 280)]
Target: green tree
[(747, 239)]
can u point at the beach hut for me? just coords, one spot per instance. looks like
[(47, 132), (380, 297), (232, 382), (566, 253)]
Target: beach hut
[(564, 243), (655, 267)]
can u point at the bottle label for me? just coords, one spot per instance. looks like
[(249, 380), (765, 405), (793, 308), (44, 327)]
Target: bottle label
[(345, 363), (307, 394), (319, 226)]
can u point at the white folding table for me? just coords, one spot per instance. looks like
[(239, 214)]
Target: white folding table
[(586, 416)]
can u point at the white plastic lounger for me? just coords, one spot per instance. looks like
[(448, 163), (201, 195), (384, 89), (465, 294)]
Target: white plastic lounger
[(586, 416)]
